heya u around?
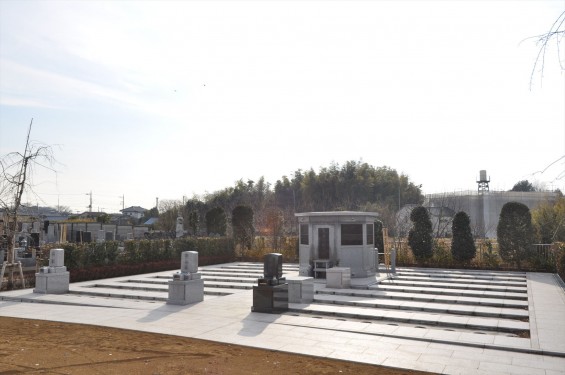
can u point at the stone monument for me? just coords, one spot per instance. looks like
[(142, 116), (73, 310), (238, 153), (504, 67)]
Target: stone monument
[(180, 227), (187, 285), (271, 293), (53, 279)]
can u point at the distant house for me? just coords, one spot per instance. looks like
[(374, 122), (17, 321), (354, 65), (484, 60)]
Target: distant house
[(134, 211)]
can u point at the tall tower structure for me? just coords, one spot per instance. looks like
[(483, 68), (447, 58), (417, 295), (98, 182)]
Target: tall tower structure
[(483, 182)]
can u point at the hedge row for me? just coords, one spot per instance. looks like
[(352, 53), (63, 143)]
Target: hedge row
[(88, 261)]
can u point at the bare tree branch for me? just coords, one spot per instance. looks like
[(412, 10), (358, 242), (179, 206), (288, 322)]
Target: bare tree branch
[(556, 33)]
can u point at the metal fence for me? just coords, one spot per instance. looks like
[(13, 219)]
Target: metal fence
[(546, 257)]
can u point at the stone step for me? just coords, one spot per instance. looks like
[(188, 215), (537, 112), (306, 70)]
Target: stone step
[(230, 279), (434, 307), (122, 294), (145, 288), (205, 276), (398, 330), (226, 285), (445, 279), (453, 272), (232, 273), (450, 292), (445, 285), (463, 276), (421, 297), (147, 281), (256, 266), (422, 318), (153, 286), (111, 290)]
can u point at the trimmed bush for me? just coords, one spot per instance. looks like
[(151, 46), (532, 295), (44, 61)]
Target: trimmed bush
[(463, 245), (515, 233), (420, 236)]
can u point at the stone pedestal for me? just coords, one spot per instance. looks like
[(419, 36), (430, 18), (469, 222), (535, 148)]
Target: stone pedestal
[(300, 289), (185, 292), (270, 298), (187, 285), (55, 278), (338, 277)]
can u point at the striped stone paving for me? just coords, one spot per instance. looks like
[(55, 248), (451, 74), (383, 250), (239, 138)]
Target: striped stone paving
[(445, 321)]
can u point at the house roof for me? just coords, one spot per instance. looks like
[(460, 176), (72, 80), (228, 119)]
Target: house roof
[(134, 209)]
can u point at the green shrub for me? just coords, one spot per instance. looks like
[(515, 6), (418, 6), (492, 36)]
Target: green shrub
[(420, 236), (442, 257), (515, 233), (490, 258), (462, 245)]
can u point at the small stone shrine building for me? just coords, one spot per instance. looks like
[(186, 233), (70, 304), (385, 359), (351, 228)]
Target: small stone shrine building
[(337, 238)]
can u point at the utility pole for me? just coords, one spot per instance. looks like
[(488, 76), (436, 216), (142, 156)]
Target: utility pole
[(123, 201), (90, 205)]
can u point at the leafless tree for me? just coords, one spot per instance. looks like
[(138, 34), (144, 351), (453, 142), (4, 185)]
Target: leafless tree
[(16, 178), (555, 34), (169, 210)]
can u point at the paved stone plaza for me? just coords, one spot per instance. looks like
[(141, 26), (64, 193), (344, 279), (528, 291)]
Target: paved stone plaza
[(442, 321)]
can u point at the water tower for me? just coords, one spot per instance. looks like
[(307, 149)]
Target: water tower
[(483, 182)]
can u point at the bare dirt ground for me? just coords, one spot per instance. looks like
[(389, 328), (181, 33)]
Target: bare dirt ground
[(44, 347)]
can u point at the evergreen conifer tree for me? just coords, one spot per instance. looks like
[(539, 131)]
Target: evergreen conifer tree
[(515, 232), (462, 245), (420, 236)]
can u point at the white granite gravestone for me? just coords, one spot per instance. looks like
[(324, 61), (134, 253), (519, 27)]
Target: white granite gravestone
[(189, 262), (187, 285), (55, 278)]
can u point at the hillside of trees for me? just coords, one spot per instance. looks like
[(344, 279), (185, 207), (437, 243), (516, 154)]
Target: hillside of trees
[(354, 185)]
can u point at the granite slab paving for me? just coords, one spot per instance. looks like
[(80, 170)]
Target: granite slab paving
[(423, 297), (469, 275), (228, 319), (462, 278), (450, 291), (447, 285), (460, 309)]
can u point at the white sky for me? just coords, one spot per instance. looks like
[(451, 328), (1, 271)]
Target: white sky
[(163, 99)]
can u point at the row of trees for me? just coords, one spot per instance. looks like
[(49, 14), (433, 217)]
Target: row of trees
[(352, 186), (515, 233)]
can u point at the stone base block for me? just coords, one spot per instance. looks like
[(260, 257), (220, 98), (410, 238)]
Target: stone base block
[(52, 283), (300, 289), (270, 298), (305, 270), (185, 292), (338, 277)]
